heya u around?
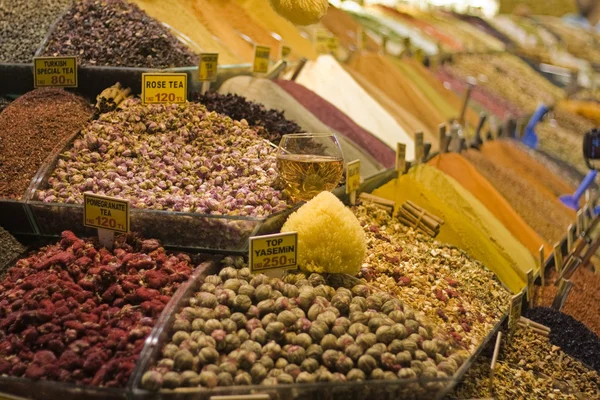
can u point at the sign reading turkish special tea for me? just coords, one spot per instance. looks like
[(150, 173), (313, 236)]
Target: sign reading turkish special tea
[(353, 176), (262, 54), (207, 70), (273, 252), (55, 71), (105, 212), (158, 88)]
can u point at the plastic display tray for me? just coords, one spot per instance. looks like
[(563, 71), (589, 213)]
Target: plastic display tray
[(53, 390), (181, 230), (415, 389)]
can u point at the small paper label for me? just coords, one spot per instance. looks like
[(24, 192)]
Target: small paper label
[(353, 176), (558, 257), (400, 158), (55, 71), (530, 287), (105, 212), (333, 44), (262, 54), (514, 313), (164, 88), (285, 52), (270, 252), (207, 70), (419, 148), (322, 41)]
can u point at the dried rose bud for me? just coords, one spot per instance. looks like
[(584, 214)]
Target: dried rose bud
[(407, 373), (357, 328), (206, 313), (309, 365), (330, 357), (377, 374), (354, 351), (366, 340), (208, 355), (306, 377), (344, 341), (356, 375), (258, 372), (206, 300), (344, 364), (384, 334), (170, 349), (213, 279), (179, 337), (281, 363), (247, 290), (295, 354), (233, 284), (267, 319), (242, 303), (198, 325), (391, 306), (206, 341), (275, 330), (190, 379), (314, 351), (327, 317), (329, 342), (358, 317), (259, 335), (293, 370), (212, 325), (267, 362), (228, 273)]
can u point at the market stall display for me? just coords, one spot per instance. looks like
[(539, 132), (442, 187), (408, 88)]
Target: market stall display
[(469, 225), (116, 33), (31, 128), (69, 314)]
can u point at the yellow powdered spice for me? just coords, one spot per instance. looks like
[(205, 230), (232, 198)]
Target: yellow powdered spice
[(459, 168), (264, 15), (468, 223), (180, 17)]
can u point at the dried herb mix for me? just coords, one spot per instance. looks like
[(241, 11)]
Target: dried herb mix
[(73, 312), (23, 26), (116, 33), (10, 248), (31, 127), (573, 337), (270, 124)]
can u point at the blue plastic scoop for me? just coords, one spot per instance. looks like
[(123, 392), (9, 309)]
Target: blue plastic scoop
[(530, 138), (573, 201)]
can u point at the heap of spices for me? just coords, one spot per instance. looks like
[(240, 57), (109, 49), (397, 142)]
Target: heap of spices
[(245, 329), (572, 336), (331, 116), (4, 102), (170, 157), (529, 367), (32, 127), (530, 196), (583, 301), (457, 293), (74, 312), (116, 33), (24, 25), (10, 248), (270, 124)]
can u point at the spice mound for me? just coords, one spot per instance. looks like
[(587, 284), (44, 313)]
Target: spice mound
[(270, 124), (458, 294), (74, 312), (10, 248), (30, 129), (244, 329), (573, 337), (529, 367), (116, 33), (170, 157), (24, 26)]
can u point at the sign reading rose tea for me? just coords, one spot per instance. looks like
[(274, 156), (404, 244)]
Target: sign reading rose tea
[(160, 88), (105, 212), (273, 252), (55, 71)]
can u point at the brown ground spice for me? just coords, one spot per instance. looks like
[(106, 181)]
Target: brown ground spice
[(583, 302), (535, 199), (30, 129)]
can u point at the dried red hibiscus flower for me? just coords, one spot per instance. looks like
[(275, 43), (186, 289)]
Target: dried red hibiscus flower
[(75, 313)]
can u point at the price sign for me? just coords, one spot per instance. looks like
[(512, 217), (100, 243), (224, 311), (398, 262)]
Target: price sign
[(514, 313), (55, 71), (419, 148), (530, 287), (322, 41), (400, 158), (105, 212), (353, 176), (160, 88), (284, 52), (207, 70), (262, 54), (273, 252), (333, 45)]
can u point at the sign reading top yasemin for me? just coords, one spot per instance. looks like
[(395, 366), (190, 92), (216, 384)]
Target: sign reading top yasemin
[(274, 252), (55, 71)]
